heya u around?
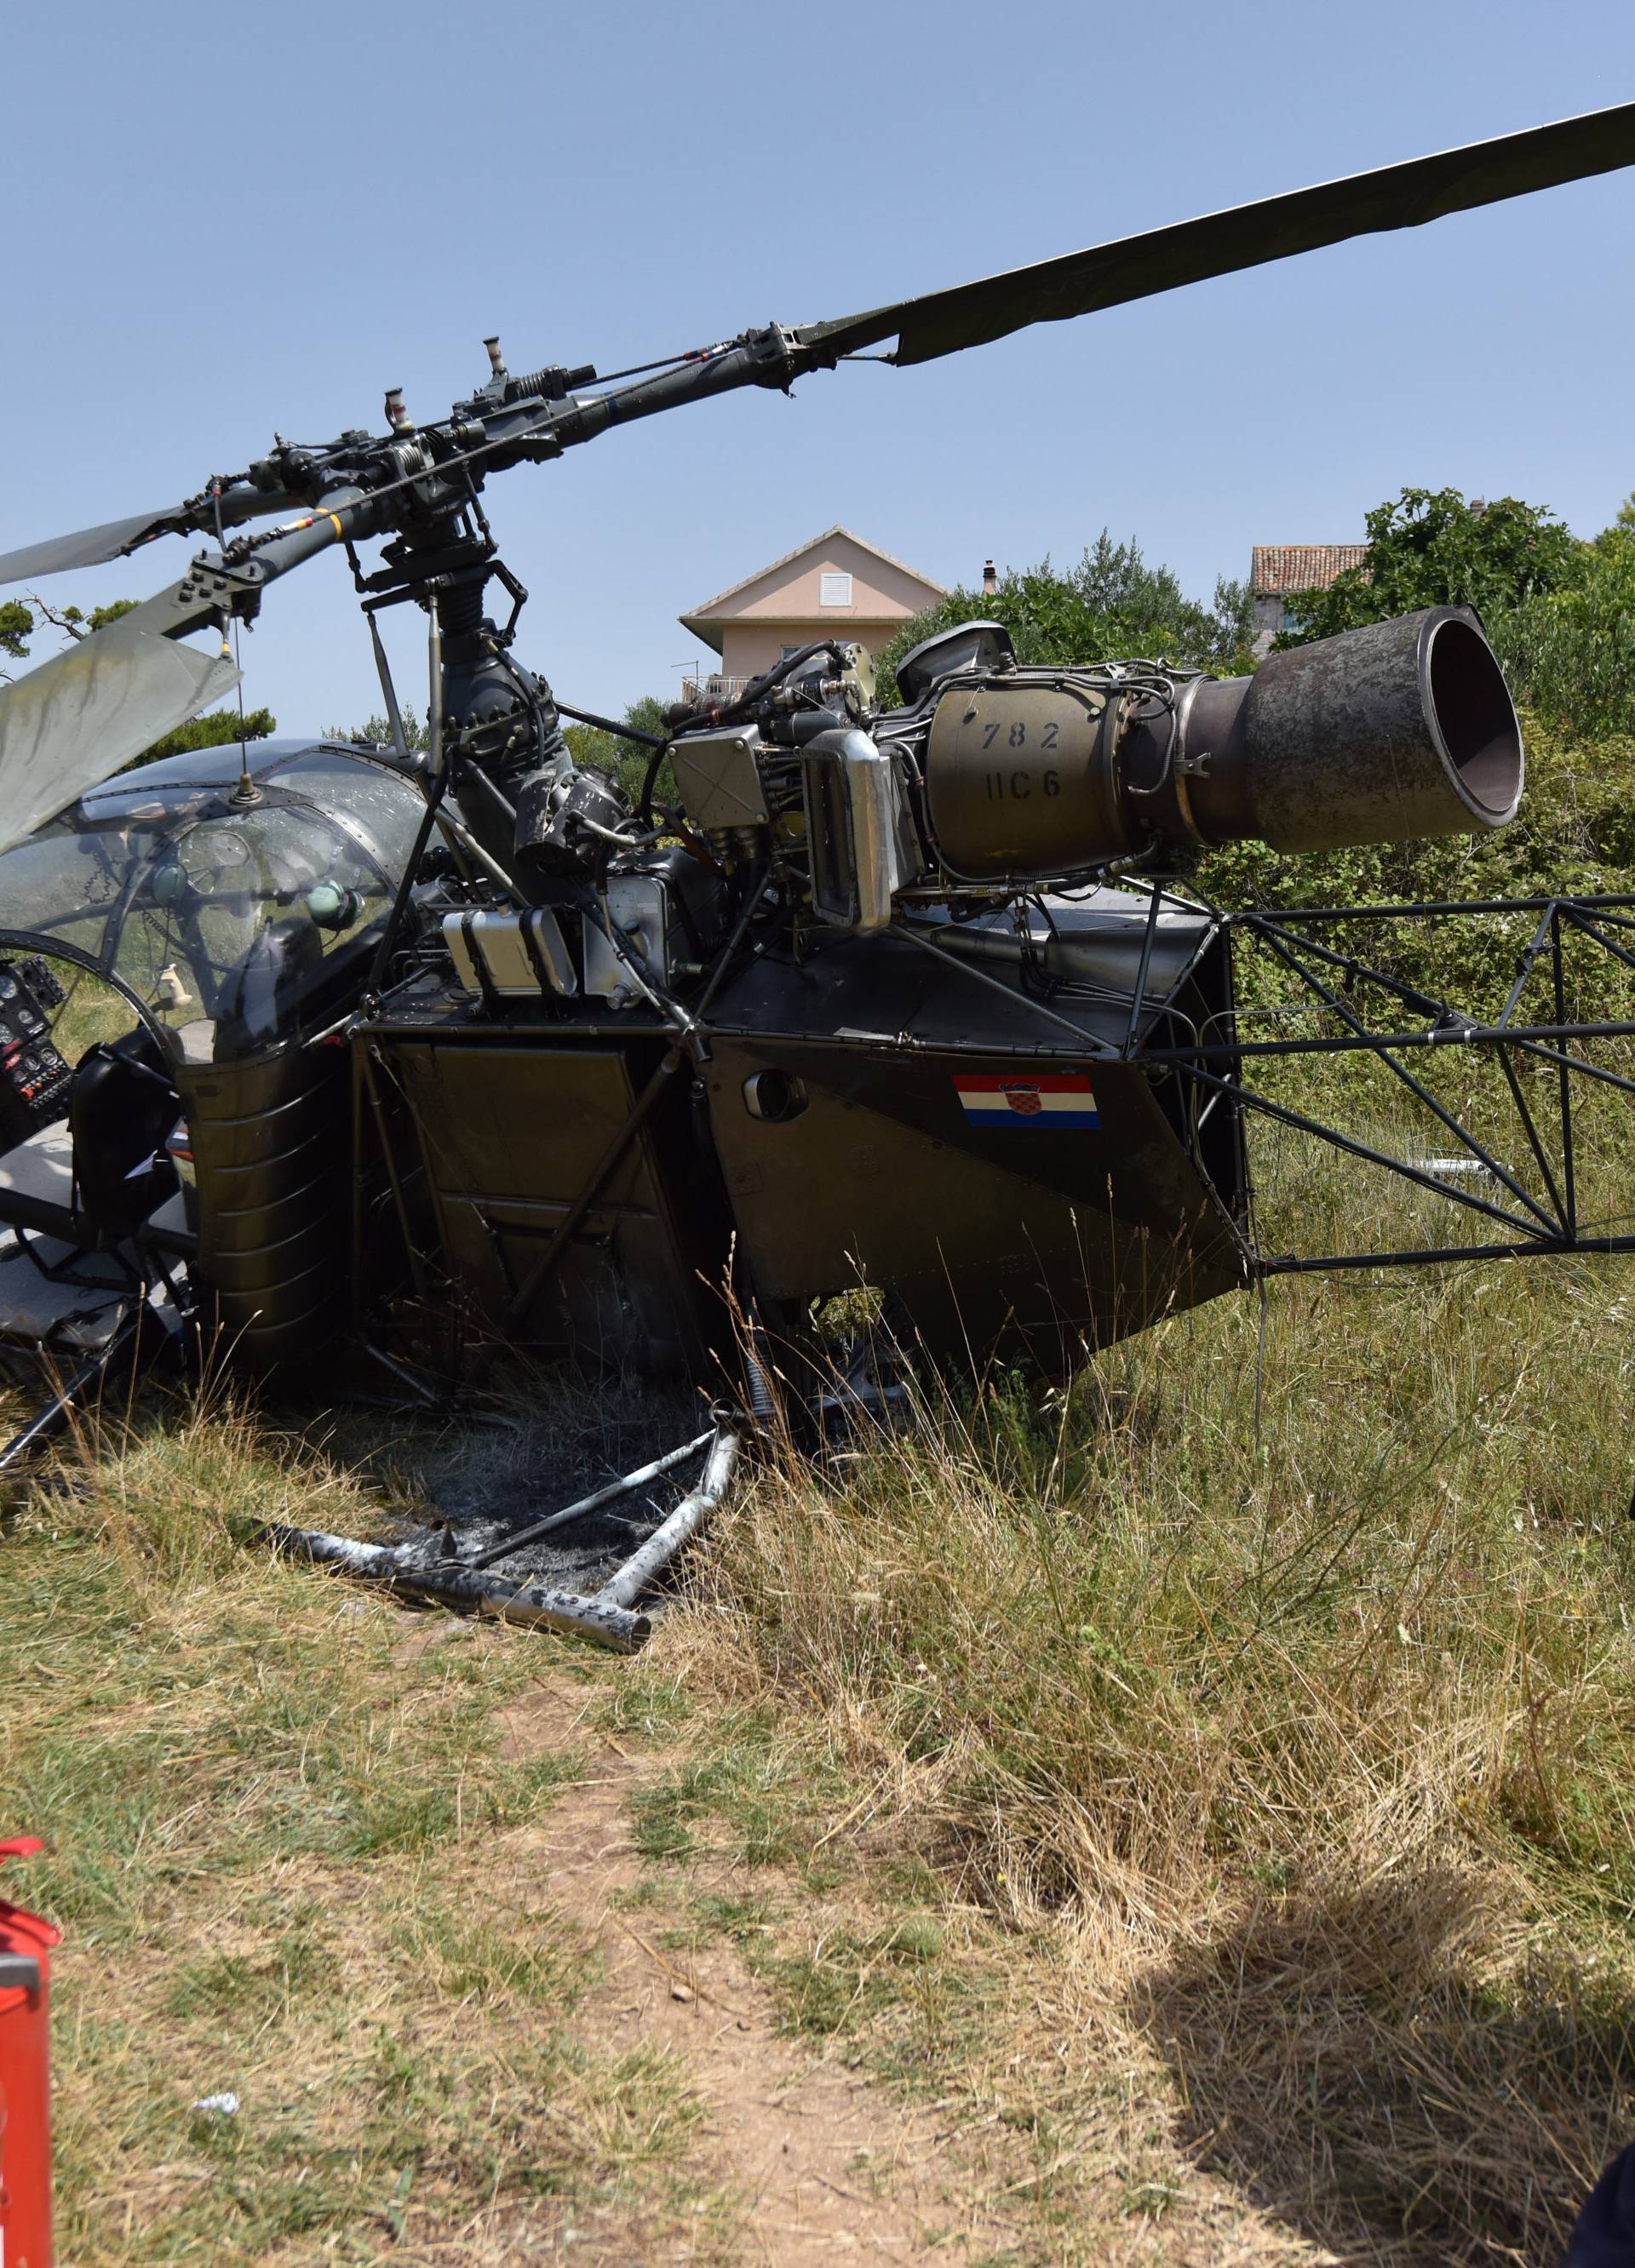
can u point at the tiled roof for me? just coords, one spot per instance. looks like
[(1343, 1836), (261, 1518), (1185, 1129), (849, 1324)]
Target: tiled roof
[(1275, 567)]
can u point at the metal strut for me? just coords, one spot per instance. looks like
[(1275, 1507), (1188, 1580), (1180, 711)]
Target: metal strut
[(608, 1616), (137, 1337)]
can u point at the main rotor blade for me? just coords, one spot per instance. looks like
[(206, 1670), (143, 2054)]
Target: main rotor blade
[(76, 720), (87, 549), (1245, 236), (91, 547)]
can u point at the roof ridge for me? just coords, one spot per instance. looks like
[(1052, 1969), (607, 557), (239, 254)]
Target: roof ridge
[(772, 565)]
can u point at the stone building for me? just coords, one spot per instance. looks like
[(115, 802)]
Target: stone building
[(1277, 572)]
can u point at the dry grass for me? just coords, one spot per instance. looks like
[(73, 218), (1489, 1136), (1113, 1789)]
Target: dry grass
[(1233, 1817), (283, 1846), (1287, 1781)]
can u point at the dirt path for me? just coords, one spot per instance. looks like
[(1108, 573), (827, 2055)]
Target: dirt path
[(825, 2166)]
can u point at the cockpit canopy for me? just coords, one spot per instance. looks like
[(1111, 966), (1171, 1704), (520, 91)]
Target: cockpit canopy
[(238, 924)]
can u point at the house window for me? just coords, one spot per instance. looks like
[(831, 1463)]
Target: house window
[(1290, 620), (788, 649), (834, 590)]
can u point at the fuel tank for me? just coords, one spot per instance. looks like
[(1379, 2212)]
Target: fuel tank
[(270, 1139)]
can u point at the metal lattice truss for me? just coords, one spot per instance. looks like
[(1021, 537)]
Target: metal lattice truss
[(1320, 982)]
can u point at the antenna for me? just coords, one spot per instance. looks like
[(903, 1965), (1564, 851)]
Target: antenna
[(246, 795)]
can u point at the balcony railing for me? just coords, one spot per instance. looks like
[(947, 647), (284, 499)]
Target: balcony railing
[(712, 691)]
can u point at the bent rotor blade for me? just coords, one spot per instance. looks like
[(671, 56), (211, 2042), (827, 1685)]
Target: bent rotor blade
[(89, 548), (115, 539), (78, 717), (1245, 236)]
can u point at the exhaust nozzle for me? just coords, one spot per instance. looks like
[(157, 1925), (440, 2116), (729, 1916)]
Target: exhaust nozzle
[(1385, 734)]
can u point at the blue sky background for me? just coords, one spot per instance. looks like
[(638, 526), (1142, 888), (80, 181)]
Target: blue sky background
[(222, 221)]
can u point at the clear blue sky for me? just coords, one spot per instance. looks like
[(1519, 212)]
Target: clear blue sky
[(226, 220)]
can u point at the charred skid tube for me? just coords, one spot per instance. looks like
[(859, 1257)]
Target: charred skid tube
[(603, 1621), (687, 1518), (1397, 731), (609, 1618), (615, 1489)]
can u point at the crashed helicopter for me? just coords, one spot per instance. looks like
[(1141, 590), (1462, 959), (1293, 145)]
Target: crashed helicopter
[(432, 1056)]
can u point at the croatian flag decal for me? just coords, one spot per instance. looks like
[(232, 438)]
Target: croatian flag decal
[(1028, 1101)]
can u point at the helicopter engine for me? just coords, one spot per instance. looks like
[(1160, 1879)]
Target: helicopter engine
[(1002, 777), (1400, 730)]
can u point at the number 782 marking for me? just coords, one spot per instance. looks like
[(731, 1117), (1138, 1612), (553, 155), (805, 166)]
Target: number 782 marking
[(1016, 737)]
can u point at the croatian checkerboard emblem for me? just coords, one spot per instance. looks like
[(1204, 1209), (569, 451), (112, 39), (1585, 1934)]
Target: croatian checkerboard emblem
[(1028, 1100)]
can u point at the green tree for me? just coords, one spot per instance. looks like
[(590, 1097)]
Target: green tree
[(1430, 547), (1112, 606), (18, 622), (1570, 650), (375, 732), (214, 730), (1560, 613), (99, 617), (17, 627)]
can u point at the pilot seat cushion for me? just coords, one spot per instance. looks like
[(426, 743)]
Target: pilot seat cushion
[(120, 1109)]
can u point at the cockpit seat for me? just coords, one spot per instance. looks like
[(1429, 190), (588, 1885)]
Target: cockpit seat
[(257, 1002), (120, 1109), (94, 1181), (54, 1292), (72, 1194)]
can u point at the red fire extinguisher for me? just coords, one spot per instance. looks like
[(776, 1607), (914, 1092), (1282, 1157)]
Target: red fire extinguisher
[(25, 1943)]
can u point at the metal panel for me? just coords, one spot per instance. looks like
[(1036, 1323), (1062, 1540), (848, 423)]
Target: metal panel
[(1026, 1240), (509, 1135)]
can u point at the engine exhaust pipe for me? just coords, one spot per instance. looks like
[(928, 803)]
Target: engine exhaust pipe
[(1385, 734)]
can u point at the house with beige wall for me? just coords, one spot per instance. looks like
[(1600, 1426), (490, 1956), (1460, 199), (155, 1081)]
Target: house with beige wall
[(835, 586)]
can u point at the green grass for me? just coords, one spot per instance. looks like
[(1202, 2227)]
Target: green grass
[(747, 1781), (90, 1012)]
